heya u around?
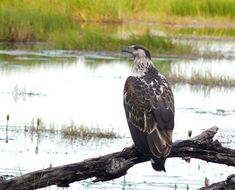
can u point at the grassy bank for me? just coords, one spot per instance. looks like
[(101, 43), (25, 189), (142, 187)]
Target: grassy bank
[(118, 11), (61, 22), (154, 10), (98, 41), (62, 32)]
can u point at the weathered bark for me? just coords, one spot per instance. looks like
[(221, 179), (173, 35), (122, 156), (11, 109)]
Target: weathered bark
[(228, 184), (115, 165)]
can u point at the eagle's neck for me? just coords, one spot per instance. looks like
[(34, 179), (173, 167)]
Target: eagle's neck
[(141, 66)]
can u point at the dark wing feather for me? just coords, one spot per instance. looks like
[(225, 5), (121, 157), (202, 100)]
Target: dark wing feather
[(149, 107)]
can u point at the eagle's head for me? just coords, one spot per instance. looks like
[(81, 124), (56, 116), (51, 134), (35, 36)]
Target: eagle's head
[(137, 51), (142, 59)]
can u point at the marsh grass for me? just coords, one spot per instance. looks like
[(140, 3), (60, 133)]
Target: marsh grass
[(212, 80), (35, 127), (53, 12), (60, 22), (70, 131), (201, 31), (32, 59), (73, 132), (204, 77), (91, 40), (25, 23), (203, 8), (199, 79)]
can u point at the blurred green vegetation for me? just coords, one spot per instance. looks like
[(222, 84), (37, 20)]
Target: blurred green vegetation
[(117, 11), (202, 8), (94, 40), (202, 31), (63, 23)]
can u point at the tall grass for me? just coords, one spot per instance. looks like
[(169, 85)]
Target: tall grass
[(198, 78), (61, 21), (109, 10), (203, 8), (27, 11), (28, 21), (202, 31)]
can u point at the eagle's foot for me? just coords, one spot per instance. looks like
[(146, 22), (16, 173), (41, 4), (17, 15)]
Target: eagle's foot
[(129, 148)]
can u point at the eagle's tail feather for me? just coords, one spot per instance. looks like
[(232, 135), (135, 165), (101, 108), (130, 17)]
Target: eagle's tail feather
[(158, 164)]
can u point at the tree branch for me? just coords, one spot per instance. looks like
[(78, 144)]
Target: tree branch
[(115, 165), (228, 184)]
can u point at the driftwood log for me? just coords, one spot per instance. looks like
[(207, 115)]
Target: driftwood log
[(115, 165), (228, 184)]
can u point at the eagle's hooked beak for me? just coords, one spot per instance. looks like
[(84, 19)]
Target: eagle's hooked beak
[(128, 50)]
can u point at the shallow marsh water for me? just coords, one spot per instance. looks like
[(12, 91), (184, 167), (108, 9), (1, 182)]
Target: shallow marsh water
[(61, 87)]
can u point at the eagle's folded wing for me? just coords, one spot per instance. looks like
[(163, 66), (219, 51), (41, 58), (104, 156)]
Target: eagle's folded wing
[(149, 108)]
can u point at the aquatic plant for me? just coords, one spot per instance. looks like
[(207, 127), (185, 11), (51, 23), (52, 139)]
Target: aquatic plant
[(8, 118), (72, 132), (198, 79), (35, 127)]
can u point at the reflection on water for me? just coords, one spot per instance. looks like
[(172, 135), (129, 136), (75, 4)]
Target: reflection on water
[(217, 68), (23, 93), (61, 87)]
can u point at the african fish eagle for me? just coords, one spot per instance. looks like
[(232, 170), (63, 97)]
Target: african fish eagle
[(149, 107)]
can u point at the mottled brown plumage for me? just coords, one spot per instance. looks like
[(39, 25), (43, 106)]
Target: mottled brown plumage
[(149, 108)]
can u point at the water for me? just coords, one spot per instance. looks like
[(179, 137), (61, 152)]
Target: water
[(61, 87)]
